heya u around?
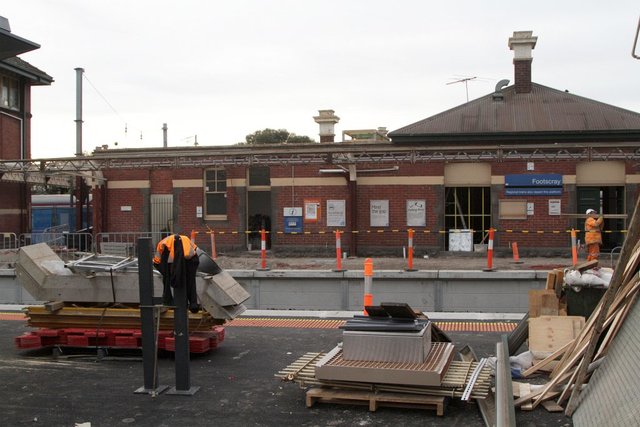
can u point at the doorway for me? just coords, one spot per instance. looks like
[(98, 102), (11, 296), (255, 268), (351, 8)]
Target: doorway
[(258, 206), (607, 200)]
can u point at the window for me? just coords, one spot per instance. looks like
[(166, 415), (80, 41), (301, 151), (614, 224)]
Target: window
[(215, 191), (10, 93), (468, 208)]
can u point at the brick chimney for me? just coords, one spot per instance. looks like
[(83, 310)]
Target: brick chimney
[(327, 121), (522, 43)]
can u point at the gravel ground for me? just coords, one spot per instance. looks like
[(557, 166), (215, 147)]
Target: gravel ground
[(251, 260)]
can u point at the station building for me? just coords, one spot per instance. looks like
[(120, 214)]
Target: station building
[(526, 160)]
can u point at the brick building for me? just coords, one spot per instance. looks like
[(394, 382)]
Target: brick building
[(16, 79), (525, 160)]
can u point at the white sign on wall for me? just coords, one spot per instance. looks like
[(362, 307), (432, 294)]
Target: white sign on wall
[(379, 212), (554, 207), (416, 213), (530, 206), (336, 216), (292, 212)]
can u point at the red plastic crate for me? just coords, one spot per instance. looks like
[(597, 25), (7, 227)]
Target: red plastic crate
[(78, 340), (219, 330), (28, 341), (126, 341)]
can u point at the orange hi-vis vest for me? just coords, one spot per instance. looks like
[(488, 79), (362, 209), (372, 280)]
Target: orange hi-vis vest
[(592, 230), (188, 248)]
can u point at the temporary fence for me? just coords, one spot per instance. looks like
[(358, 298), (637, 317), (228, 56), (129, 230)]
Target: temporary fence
[(121, 243), (124, 243), (425, 231), (9, 241), (66, 244)]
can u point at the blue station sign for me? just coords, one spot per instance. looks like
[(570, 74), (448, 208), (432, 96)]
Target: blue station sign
[(533, 185)]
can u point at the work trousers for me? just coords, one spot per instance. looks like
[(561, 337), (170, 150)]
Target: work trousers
[(593, 251)]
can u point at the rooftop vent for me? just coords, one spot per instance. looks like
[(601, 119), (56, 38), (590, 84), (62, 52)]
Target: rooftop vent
[(497, 94)]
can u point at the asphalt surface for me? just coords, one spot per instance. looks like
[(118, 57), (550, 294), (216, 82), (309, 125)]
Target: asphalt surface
[(236, 380)]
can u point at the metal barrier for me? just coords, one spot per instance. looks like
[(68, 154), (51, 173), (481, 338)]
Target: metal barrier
[(9, 241), (121, 244), (64, 243), (619, 248)]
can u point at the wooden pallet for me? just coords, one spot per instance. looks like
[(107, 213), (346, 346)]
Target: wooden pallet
[(375, 399)]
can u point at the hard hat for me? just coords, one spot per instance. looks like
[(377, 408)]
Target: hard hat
[(590, 211)]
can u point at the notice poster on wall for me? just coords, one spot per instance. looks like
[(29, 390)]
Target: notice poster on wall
[(416, 213), (311, 210), (379, 213), (336, 216), (554, 207)]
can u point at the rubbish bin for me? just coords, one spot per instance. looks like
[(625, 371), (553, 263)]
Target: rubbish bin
[(583, 302)]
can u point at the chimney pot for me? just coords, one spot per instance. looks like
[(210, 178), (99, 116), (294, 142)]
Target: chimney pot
[(522, 43), (327, 121)]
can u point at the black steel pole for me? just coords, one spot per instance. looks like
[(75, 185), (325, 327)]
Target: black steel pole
[(149, 350), (181, 319)]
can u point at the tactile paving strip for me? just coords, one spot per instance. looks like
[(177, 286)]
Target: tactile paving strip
[(262, 322), (12, 316)]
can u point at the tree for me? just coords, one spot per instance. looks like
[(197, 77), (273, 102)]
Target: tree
[(276, 136)]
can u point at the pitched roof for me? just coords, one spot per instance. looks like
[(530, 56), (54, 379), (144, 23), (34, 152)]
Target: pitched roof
[(23, 68), (544, 113)]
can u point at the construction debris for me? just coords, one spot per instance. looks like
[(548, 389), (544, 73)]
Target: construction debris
[(380, 367), (576, 352)]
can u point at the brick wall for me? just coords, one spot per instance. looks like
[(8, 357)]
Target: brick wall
[(123, 221), (537, 231)]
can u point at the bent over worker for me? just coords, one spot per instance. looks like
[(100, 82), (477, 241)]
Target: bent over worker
[(177, 261), (592, 234)]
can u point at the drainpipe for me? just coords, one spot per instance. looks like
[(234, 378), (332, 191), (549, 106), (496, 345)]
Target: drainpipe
[(353, 199)]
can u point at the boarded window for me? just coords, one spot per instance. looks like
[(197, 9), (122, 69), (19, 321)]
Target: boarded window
[(513, 209)]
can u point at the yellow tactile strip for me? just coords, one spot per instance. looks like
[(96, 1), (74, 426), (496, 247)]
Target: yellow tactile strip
[(12, 316), (273, 322)]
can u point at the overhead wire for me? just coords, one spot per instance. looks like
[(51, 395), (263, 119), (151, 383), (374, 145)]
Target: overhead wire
[(113, 109)]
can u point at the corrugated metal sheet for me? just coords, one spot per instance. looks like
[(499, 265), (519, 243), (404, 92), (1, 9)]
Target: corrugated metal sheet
[(542, 110)]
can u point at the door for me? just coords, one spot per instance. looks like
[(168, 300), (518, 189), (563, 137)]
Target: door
[(161, 216)]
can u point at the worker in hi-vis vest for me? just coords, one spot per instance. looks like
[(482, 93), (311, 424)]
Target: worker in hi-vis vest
[(592, 234), (177, 261)]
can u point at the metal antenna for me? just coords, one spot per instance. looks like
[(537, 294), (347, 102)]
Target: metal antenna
[(635, 42), (466, 84)]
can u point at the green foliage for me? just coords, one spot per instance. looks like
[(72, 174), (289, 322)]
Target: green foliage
[(276, 136)]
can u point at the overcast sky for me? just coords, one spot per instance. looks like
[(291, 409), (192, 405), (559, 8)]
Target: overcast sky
[(222, 70)]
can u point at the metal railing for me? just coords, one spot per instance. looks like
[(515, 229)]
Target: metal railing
[(121, 243), (9, 241), (63, 242)]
